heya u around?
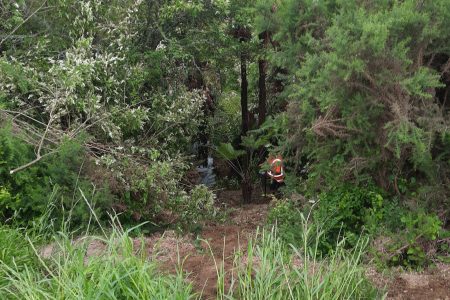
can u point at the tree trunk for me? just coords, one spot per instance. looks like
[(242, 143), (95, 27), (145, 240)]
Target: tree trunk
[(262, 92), (262, 64), (246, 184), (244, 95)]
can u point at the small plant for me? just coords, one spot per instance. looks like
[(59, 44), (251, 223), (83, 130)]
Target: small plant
[(287, 216), (347, 211), (190, 209), (418, 235)]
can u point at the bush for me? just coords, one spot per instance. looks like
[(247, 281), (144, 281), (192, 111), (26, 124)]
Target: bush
[(191, 209), (346, 211), (54, 182), (288, 219), (147, 191), (364, 96), (416, 245)]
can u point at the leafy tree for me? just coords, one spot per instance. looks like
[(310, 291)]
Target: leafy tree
[(363, 89)]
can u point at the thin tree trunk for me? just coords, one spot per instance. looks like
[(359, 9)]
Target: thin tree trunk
[(262, 64), (246, 184), (244, 95), (262, 110)]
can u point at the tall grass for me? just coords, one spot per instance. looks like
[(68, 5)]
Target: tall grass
[(270, 270), (116, 272), (267, 269)]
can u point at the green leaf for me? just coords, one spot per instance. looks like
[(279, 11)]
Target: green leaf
[(226, 151)]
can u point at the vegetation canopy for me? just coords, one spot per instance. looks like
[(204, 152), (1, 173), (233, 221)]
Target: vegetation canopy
[(124, 119)]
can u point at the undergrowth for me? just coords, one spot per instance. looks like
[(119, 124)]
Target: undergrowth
[(267, 269), (270, 269), (120, 272)]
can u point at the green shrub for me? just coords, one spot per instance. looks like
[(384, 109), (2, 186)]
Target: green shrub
[(190, 209), (347, 211), (55, 182), (417, 236), (148, 192), (287, 217), (363, 97)]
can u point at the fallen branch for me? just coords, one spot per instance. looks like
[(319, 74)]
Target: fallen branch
[(37, 159), (38, 152), (404, 247)]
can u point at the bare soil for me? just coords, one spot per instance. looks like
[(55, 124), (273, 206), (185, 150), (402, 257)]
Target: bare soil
[(432, 284)]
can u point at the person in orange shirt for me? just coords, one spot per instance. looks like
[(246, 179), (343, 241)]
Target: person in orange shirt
[(275, 173)]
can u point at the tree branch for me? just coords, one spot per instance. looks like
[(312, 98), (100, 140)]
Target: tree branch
[(20, 25), (38, 153), (37, 159)]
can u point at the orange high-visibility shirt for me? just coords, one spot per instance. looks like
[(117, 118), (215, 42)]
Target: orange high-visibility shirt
[(276, 171)]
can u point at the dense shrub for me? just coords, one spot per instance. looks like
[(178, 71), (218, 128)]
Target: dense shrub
[(347, 211), (54, 183), (365, 89), (416, 242), (190, 209), (343, 212)]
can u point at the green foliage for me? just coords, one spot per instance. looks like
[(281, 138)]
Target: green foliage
[(227, 151), (268, 271), (191, 209), (361, 89), (225, 124), (116, 274), (287, 217), (54, 182), (347, 211), (123, 88), (417, 235), (91, 74), (343, 212), (120, 269), (175, 120), (15, 252)]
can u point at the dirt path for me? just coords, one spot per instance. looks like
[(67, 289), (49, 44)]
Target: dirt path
[(432, 284), (221, 241)]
